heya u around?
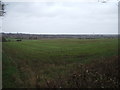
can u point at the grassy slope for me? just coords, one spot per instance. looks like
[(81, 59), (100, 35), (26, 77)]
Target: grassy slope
[(49, 58)]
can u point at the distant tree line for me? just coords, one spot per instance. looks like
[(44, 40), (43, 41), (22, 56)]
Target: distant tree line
[(39, 36)]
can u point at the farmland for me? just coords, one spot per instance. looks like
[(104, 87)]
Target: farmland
[(50, 62)]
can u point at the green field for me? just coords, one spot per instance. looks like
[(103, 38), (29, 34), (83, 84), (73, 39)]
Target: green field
[(26, 61)]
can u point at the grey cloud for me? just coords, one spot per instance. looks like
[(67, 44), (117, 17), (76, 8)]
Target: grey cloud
[(61, 18)]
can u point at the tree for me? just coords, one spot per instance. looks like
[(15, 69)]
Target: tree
[(2, 9), (4, 39)]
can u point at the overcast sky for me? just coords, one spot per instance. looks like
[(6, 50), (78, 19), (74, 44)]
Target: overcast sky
[(59, 18)]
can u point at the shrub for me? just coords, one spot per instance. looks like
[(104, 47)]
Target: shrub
[(4, 39), (98, 74)]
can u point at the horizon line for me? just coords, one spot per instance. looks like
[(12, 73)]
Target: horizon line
[(58, 33)]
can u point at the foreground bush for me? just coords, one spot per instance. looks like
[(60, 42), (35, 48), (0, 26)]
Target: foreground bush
[(98, 74)]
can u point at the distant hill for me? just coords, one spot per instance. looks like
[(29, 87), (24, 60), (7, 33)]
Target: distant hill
[(40, 36)]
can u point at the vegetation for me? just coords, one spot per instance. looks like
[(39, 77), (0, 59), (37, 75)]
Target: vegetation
[(60, 63), (4, 39)]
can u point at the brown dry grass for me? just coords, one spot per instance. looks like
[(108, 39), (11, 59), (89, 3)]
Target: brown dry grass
[(98, 74)]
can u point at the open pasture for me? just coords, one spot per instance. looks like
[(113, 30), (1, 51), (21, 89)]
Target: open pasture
[(30, 63)]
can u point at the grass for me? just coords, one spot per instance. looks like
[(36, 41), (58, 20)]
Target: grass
[(46, 59)]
